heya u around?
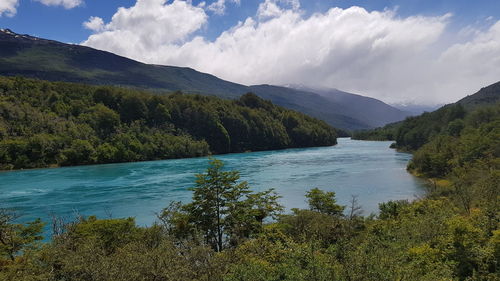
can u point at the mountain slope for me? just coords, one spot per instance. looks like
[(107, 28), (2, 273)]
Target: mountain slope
[(416, 109), (368, 110), (51, 60), (24, 55), (312, 104), (487, 95), (450, 119)]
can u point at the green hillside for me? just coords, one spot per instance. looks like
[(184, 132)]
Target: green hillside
[(54, 61), (53, 123), (414, 132), (487, 95)]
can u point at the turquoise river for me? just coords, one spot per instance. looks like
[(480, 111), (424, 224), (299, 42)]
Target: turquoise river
[(370, 170)]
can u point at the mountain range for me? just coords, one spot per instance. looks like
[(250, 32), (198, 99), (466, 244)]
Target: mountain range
[(28, 56)]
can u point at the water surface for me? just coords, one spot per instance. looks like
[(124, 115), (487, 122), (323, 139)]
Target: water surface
[(369, 170)]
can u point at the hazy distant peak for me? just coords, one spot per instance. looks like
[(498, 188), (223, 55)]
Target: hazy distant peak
[(416, 109)]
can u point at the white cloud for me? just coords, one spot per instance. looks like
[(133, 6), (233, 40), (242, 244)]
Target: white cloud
[(477, 61), (95, 24), (67, 4), (219, 7), (8, 7), (146, 27), (379, 54), (272, 8)]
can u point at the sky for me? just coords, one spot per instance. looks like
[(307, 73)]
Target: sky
[(407, 51)]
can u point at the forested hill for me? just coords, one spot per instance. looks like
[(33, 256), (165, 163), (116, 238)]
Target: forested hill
[(32, 57), (487, 95), (414, 132), (54, 123)]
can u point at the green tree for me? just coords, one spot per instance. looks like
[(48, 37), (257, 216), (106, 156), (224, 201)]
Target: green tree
[(16, 238), (80, 152), (104, 120), (224, 210), (324, 202), (133, 108), (216, 197)]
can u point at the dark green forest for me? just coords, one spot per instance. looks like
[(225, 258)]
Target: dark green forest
[(229, 233), (414, 132), (44, 124)]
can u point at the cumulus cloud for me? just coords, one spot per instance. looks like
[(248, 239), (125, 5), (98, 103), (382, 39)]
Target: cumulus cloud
[(67, 4), (141, 30), (380, 54), (271, 8), (477, 60), (8, 7), (95, 24), (219, 7)]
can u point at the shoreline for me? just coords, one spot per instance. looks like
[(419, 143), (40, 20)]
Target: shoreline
[(152, 160)]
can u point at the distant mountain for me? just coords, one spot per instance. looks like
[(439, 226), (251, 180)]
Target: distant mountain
[(369, 110), (312, 104), (28, 56), (416, 109)]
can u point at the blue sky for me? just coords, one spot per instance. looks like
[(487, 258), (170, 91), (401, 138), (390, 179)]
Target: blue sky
[(58, 23), (407, 51)]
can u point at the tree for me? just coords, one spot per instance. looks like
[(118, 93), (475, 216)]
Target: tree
[(104, 120), (16, 238), (216, 196), (80, 152), (133, 108), (391, 209), (224, 210), (324, 202)]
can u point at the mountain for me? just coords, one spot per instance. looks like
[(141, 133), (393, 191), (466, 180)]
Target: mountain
[(28, 56), (416, 109), (312, 104), (487, 95), (34, 57), (368, 110)]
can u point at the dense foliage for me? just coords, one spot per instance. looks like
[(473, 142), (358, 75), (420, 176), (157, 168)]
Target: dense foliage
[(50, 124), (414, 132), (388, 132), (463, 143)]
